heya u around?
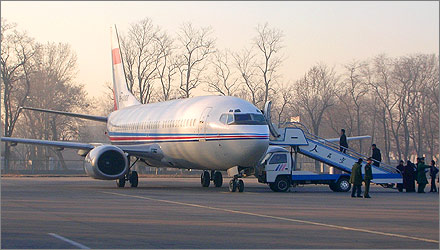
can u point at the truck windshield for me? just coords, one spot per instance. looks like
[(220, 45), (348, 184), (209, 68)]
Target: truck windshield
[(248, 119), (278, 158)]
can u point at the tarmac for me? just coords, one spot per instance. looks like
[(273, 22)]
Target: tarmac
[(170, 213)]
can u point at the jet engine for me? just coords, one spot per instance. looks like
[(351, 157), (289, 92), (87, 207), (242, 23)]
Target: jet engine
[(106, 162)]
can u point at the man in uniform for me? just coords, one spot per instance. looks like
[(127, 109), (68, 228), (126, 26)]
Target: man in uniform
[(433, 173), (368, 177), (401, 168), (356, 178), (377, 157), (409, 176), (421, 175), (343, 144)]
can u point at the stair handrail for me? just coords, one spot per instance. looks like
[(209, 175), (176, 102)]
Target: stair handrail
[(382, 165)]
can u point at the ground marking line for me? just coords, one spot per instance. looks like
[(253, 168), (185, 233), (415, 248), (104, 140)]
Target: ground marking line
[(78, 245), (279, 218)]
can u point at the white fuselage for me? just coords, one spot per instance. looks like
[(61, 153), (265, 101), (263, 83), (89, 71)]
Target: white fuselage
[(191, 133)]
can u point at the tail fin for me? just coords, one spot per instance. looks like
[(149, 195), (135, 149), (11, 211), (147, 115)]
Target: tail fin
[(122, 96)]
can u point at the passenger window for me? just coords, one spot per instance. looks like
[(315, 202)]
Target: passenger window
[(223, 118), (278, 158)]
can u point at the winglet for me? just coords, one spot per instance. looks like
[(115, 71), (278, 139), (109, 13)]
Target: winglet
[(122, 96)]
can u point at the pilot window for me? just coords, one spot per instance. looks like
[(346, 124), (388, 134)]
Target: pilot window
[(223, 118), (278, 158), (248, 119)]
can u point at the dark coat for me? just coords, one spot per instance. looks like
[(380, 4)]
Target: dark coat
[(356, 174), (343, 141), (433, 172), (368, 173), (421, 176), (376, 156), (409, 173)]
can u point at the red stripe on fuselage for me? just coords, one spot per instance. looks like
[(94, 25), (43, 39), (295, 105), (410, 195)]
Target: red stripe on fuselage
[(116, 56), (185, 137)]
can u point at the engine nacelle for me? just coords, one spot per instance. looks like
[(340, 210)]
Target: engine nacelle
[(106, 162)]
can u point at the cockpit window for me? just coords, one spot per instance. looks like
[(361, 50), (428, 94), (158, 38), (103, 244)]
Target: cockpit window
[(243, 119), (249, 119), (223, 118), (230, 119)]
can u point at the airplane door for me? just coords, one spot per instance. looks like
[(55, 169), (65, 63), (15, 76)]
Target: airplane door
[(203, 123)]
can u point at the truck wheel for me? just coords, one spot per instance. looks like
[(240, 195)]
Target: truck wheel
[(332, 186), (282, 184), (272, 186), (343, 185)]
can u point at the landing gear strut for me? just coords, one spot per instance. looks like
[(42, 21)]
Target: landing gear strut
[(131, 176), (235, 184)]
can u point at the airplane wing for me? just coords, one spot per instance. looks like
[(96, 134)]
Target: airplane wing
[(143, 150), (88, 117), (59, 144), (349, 138)]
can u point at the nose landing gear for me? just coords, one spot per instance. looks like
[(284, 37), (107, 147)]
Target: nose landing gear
[(236, 184)]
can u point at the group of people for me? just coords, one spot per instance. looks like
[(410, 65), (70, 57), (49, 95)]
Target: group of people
[(356, 178), (410, 172)]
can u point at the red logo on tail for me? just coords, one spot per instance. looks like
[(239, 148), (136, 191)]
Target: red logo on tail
[(116, 56)]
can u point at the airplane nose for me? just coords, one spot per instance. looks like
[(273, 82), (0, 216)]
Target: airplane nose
[(251, 152)]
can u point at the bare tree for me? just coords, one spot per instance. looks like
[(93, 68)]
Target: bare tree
[(17, 50), (353, 97), (315, 93), (283, 100), (221, 81), (141, 51), (196, 45), (269, 44), (246, 65), (166, 65), (53, 88)]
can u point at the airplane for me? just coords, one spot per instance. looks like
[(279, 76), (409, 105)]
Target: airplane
[(210, 133)]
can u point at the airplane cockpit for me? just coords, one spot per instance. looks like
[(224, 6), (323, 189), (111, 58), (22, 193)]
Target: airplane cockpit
[(242, 119)]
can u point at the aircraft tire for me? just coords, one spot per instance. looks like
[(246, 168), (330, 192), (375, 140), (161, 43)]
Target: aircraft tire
[(134, 179), (218, 179), (121, 182), (205, 179), (240, 186), (232, 185)]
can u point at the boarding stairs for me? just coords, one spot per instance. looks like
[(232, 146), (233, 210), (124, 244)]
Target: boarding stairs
[(328, 152)]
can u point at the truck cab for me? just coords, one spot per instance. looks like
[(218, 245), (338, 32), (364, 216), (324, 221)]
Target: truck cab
[(278, 170)]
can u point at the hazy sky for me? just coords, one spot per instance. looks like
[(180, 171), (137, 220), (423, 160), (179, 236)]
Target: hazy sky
[(329, 32)]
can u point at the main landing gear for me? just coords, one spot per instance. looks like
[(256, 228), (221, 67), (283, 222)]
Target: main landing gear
[(215, 176), (131, 176)]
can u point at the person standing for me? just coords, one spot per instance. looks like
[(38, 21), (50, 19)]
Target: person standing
[(368, 177), (356, 178), (343, 144), (401, 168), (409, 174), (421, 175), (377, 157), (433, 173)]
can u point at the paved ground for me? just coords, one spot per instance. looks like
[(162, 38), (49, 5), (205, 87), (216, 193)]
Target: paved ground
[(77, 212)]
